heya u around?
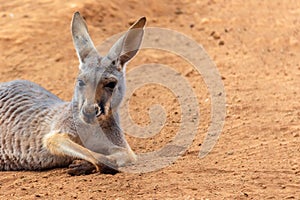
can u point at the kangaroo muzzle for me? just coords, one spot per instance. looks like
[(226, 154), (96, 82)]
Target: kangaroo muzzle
[(90, 113)]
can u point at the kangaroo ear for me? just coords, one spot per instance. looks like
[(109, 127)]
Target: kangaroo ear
[(128, 45), (81, 39)]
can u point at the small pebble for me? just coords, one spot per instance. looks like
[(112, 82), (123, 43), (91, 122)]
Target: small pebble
[(204, 20), (178, 11), (221, 43), (296, 134), (216, 36)]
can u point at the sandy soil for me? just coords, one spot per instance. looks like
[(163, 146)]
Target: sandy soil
[(255, 45)]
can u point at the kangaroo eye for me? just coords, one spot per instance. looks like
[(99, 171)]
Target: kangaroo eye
[(81, 83), (113, 62), (111, 85)]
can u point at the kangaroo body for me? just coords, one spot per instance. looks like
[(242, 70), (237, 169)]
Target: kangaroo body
[(40, 131), (27, 113)]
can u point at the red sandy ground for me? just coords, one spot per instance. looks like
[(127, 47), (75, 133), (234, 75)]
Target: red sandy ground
[(258, 153)]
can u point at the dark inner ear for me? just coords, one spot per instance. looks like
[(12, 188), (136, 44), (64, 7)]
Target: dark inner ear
[(128, 45), (124, 58)]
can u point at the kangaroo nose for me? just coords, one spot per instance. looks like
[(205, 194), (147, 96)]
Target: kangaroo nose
[(91, 111)]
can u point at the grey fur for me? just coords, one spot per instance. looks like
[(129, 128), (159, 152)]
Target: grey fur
[(30, 115), (27, 113)]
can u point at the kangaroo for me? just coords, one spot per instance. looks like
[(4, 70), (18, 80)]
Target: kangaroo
[(40, 131)]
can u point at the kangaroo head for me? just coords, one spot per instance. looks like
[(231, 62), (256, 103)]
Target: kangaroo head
[(100, 84)]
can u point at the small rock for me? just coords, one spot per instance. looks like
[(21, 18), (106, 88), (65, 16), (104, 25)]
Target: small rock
[(294, 167), (296, 134), (204, 20), (290, 197), (245, 194), (178, 11), (216, 36), (221, 43)]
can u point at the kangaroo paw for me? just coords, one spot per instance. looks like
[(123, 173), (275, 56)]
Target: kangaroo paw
[(107, 170), (81, 167)]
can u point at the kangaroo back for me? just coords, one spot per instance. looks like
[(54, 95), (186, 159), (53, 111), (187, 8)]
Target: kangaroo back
[(25, 113)]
